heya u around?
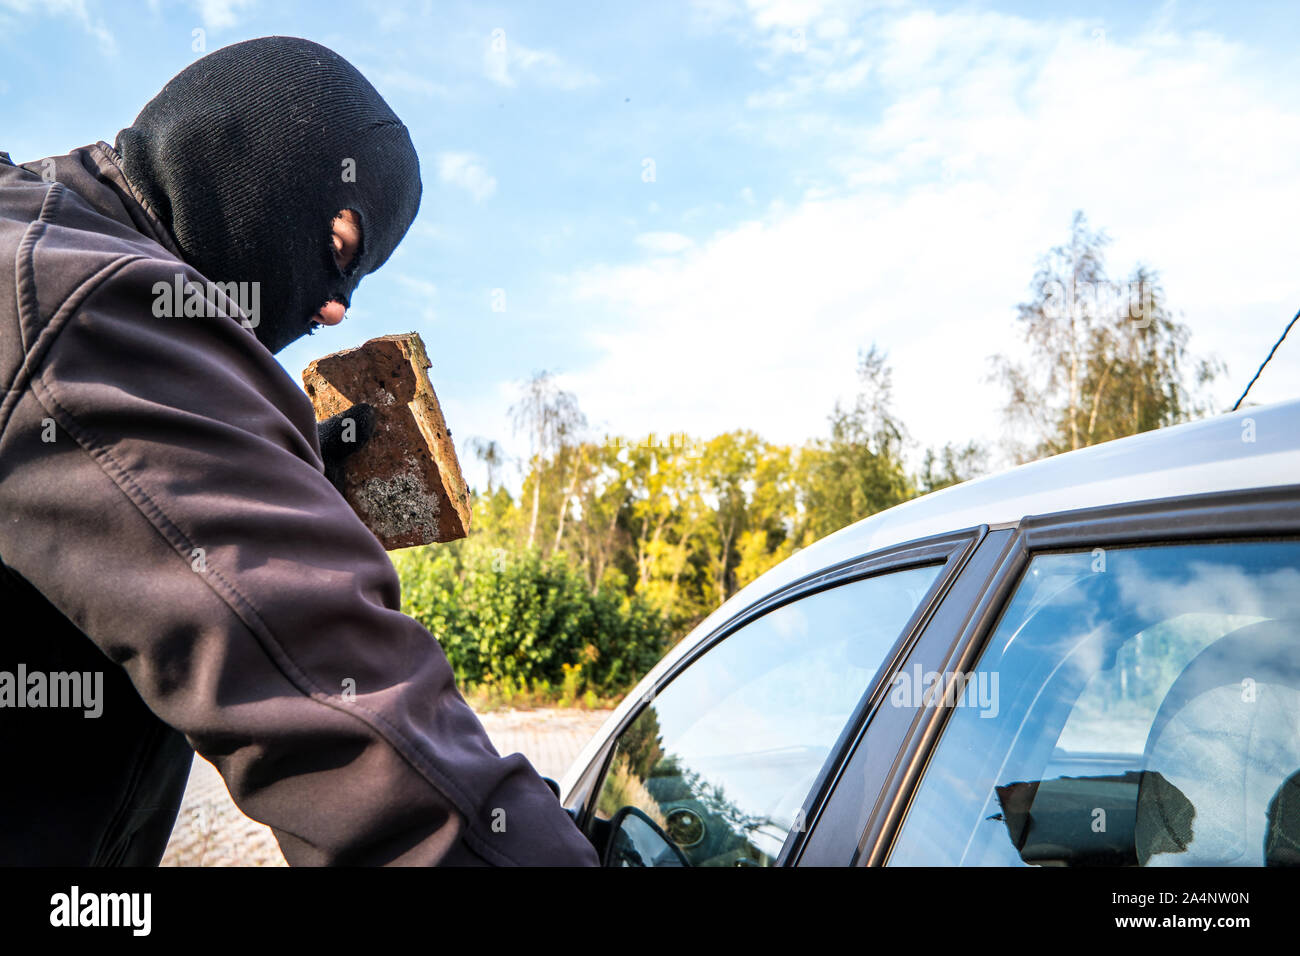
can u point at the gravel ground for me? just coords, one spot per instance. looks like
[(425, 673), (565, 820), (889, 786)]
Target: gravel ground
[(211, 831)]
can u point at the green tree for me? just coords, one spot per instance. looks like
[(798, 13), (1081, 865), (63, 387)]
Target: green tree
[(1107, 359), (727, 466), (859, 470), (551, 418), (771, 527), (492, 456), (950, 465), (512, 614)]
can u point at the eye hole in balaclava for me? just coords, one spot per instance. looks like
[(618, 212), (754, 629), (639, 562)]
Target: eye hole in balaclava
[(248, 150), (346, 240)]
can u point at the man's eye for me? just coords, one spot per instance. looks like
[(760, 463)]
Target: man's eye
[(345, 237)]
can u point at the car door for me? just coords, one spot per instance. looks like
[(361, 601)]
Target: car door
[(1127, 694), (725, 760)]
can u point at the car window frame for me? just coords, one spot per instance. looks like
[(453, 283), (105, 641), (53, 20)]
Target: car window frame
[(1263, 514), (861, 783), (950, 549)]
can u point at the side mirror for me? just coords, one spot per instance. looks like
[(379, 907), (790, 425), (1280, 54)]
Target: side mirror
[(636, 840)]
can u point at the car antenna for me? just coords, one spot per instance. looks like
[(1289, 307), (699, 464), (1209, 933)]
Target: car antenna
[(1265, 362)]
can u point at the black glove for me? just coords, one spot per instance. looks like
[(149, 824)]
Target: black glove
[(341, 436)]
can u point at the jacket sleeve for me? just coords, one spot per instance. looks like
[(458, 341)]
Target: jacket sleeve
[(160, 483)]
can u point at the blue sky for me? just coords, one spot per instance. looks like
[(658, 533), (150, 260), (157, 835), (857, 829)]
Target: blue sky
[(825, 175)]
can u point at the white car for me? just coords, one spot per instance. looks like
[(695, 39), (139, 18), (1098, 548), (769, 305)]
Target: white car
[(1092, 659)]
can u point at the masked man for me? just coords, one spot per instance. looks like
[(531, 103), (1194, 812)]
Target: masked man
[(178, 572)]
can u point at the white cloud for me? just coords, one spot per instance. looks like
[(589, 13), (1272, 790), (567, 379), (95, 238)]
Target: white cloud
[(221, 14), (72, 9), (667, 243), (465, 171), (505, 60), (431, 230), (422, 287), (996, 128), (391, 79), (788, 31), (778, 14), (767, 15)]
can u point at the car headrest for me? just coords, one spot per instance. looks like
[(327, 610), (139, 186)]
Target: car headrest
[(1227, 736)]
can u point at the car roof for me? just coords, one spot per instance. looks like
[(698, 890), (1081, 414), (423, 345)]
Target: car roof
[(1256, 447)]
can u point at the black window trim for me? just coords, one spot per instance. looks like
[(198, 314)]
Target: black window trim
[(1271, 513), (828, 777), (865, 771), (951, 548)]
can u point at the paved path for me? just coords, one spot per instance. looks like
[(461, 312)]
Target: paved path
[(211, 831)]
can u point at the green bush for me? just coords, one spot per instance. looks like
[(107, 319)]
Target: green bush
[(514, 621)]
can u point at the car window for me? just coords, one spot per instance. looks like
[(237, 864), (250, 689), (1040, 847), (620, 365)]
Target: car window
[(723, 757), (1141, 708)]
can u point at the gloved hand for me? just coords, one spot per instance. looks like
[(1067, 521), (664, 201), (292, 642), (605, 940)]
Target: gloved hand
[(342, 435)]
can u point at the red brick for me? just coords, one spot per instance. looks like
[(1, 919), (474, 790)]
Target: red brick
[(405, 482)]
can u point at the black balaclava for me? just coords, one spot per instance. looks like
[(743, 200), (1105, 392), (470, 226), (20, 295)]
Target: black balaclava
[(250, 152)]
